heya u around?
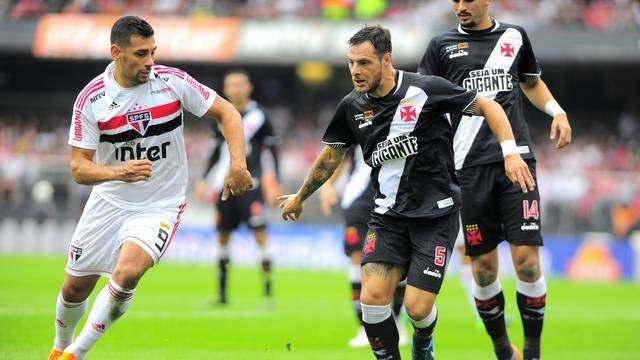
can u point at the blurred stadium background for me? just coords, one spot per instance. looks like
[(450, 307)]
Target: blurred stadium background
[(294, 51)]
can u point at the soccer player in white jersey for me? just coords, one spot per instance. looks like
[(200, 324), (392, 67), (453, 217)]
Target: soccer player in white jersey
[(127, 140)]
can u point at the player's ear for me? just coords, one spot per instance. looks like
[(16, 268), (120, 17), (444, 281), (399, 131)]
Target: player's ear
[(115, 52), (386, 59)]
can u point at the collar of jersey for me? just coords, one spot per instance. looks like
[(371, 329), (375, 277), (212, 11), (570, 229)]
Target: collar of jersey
[(496, 25)]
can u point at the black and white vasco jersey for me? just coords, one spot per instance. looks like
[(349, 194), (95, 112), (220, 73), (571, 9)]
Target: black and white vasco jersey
[(493, 62), (407, 140), (259, 135)]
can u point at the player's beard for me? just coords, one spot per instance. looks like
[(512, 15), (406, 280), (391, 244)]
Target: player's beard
[(375, 82)]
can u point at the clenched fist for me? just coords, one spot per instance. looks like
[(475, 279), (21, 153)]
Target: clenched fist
[(237, 181)]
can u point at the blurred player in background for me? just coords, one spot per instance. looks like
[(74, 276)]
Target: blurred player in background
[(126, 138), (248, 208), (357, 204), (398, 118), (497, 60)]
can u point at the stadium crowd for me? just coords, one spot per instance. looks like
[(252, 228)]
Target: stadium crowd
[(591, 185), (571, 14)]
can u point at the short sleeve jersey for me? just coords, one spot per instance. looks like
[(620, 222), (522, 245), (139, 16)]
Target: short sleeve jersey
[(407, 140), (143, 122), (493, 62)]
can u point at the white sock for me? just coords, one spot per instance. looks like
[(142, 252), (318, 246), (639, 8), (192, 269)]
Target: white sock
[(265, 254), (110, 304), (373, 314), (486, 292), (223, 251), (466, 278), (67, 316), (532, 289)]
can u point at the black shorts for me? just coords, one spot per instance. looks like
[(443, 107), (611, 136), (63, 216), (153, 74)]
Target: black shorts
[(247, 208), (356, 218), (493, 209), (421, 246)]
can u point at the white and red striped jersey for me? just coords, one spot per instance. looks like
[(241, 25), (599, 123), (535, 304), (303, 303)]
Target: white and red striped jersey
[(143, 122)]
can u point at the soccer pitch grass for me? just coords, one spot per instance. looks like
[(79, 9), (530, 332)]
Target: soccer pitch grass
[(173, 317)]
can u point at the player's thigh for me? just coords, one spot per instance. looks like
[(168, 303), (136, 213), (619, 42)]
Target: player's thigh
[(356, 229), (152, 230), (480, 211), (94, 245), (228, 217), (379, 282), (520, 213), (432, 243)]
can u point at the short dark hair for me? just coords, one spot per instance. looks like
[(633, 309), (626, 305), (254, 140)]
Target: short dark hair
[(237, 71), (378, 36), (129, 25)]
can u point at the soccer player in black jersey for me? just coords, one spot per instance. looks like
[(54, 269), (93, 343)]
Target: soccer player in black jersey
[(357, 203), (248, 208), (398, 119), (497, 61)]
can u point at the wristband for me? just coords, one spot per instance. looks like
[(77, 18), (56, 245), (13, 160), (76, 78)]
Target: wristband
[(509, 147), (553, 109)]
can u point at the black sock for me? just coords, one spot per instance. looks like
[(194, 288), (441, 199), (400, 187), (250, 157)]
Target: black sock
[(422, 341), (532, 314), (398, 298), (491, 312), (266, 272), (355, 297), (223, 265), (383, 338)]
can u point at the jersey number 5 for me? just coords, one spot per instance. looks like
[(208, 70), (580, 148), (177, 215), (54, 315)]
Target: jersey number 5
[(440, 256)]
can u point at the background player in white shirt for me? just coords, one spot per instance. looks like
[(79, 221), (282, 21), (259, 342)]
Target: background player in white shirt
[(126, 139)]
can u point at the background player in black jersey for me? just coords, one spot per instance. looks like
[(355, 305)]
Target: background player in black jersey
[(398, 119), (248, 208), (357, 204), (494, 58)]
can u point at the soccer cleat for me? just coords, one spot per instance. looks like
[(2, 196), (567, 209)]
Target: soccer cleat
[(402, 332), (517, 355), (68, 356), (422, 350), (360, 340), (55, 354)]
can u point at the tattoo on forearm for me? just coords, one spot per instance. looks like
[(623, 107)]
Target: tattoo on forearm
[(321, 171), (377, 269)]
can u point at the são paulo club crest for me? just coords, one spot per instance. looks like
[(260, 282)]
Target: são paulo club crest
[(139, 120)]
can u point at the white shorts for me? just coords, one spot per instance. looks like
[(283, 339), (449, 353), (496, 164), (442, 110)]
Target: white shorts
[(103, 228)]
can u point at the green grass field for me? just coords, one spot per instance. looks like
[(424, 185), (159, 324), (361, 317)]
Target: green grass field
[(173, 317)]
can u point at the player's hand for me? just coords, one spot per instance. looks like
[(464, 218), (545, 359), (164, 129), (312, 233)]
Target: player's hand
[(291, 207), (237, 182), (518, 172), (328, 198), (134, 170), (560, 124)]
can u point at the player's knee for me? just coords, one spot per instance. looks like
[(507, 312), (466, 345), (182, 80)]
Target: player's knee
[(418, 309), (374, 296), (127, 275), (484, 276), (528, 269), (75, 292)]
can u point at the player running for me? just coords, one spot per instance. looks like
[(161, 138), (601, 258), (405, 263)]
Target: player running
[(248, 208), (398, 120), (497, 60), (357, 204), (127, 140)]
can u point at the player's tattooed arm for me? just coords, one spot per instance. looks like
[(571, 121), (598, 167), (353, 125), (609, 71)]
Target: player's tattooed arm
[(322, 169), (324, 166)]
